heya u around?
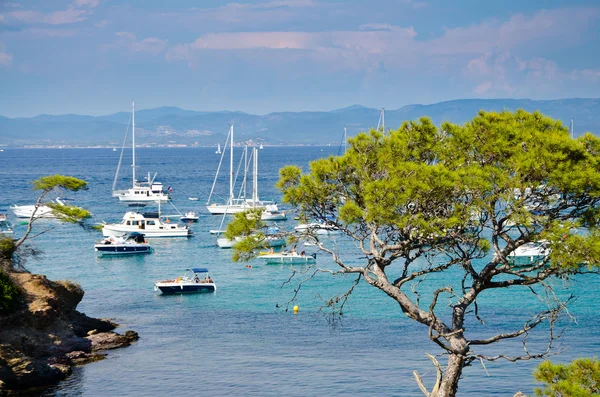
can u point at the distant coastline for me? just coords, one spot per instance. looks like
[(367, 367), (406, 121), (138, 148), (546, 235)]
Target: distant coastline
[(174, 127)]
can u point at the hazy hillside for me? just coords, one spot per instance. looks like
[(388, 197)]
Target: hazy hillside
[(171, 125)]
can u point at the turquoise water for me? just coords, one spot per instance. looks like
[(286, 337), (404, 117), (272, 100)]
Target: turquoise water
[(241, 340)]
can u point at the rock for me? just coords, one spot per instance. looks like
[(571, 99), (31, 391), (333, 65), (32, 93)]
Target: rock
[(45, 336), (83, 324), (19, 371), (111, 340)]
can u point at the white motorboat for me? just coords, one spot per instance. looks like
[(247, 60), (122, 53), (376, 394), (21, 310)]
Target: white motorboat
[(41, 211), (129, 245), (151, 224), (530, 253), (272, 213), (316, 228), (189, 282), (285, 257), (140, 192), (190, 216), (5, 225), (240, 204)]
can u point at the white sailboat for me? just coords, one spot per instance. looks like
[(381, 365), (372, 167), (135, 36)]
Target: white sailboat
[(234, 205), (218, 148), (140, 192)]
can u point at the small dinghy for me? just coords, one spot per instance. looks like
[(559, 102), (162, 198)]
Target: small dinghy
[(189, 282), (190, 216), (134, 243)]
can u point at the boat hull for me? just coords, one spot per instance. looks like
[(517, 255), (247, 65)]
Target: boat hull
[(274, 259), (164, 231), (179, 288), (230, 209), (122, 249), (25, 211)]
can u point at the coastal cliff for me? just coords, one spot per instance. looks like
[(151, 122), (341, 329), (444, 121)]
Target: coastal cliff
[(44, 336)]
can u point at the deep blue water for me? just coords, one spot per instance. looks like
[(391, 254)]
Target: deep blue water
[(237, 341)]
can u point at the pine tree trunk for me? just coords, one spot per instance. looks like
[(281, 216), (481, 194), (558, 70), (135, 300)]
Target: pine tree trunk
[(449, 385)]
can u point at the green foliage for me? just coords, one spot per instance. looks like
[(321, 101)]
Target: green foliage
[(50, 182), (10, 294), (429, 199), (245, 230), (69, 213), (7, 247), (580, 378), (64, 213)]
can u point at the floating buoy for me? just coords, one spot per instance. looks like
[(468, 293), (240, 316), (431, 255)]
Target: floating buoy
[(296, 308)]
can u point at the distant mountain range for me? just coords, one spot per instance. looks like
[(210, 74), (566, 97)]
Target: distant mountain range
[(174, 126)]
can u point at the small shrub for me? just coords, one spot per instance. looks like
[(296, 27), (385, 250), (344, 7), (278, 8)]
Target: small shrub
[(10, 294), (7, 247)]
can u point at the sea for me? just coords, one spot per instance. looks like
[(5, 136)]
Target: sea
[(245, 339)]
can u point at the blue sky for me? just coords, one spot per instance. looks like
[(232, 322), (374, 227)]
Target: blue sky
[(95, 56)]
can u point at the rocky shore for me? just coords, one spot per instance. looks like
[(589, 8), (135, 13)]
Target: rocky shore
[(46, 336)]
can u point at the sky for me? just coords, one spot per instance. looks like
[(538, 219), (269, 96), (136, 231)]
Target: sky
[(94, 57)]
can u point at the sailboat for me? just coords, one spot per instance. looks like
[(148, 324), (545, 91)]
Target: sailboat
[(234, 205), (140, 192), (218, 148)]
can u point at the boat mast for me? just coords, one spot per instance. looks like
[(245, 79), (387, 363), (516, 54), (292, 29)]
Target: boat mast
[(381, 123), (133, 140), (255, 178), (231, 168)]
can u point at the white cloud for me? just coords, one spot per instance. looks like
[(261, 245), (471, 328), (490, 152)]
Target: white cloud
[(126, 35), (87, 3), (70, 15), (151, 45), (103, 23), (5, 58)]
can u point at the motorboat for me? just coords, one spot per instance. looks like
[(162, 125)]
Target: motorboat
[(189, 282), (151, 224), (190, 216), (140, 192), (272, 213), (193, 198), (288, 257), (41, 210), (5, 225), (530, 253), (317, 228), (132, 244), (143, 192)]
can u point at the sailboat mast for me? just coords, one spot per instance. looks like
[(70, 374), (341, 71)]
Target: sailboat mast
[(572, 131), (231, 169), (381, 122), (133, 140), (255, 178)]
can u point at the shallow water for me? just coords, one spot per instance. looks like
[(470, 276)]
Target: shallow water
[(241, 340)]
